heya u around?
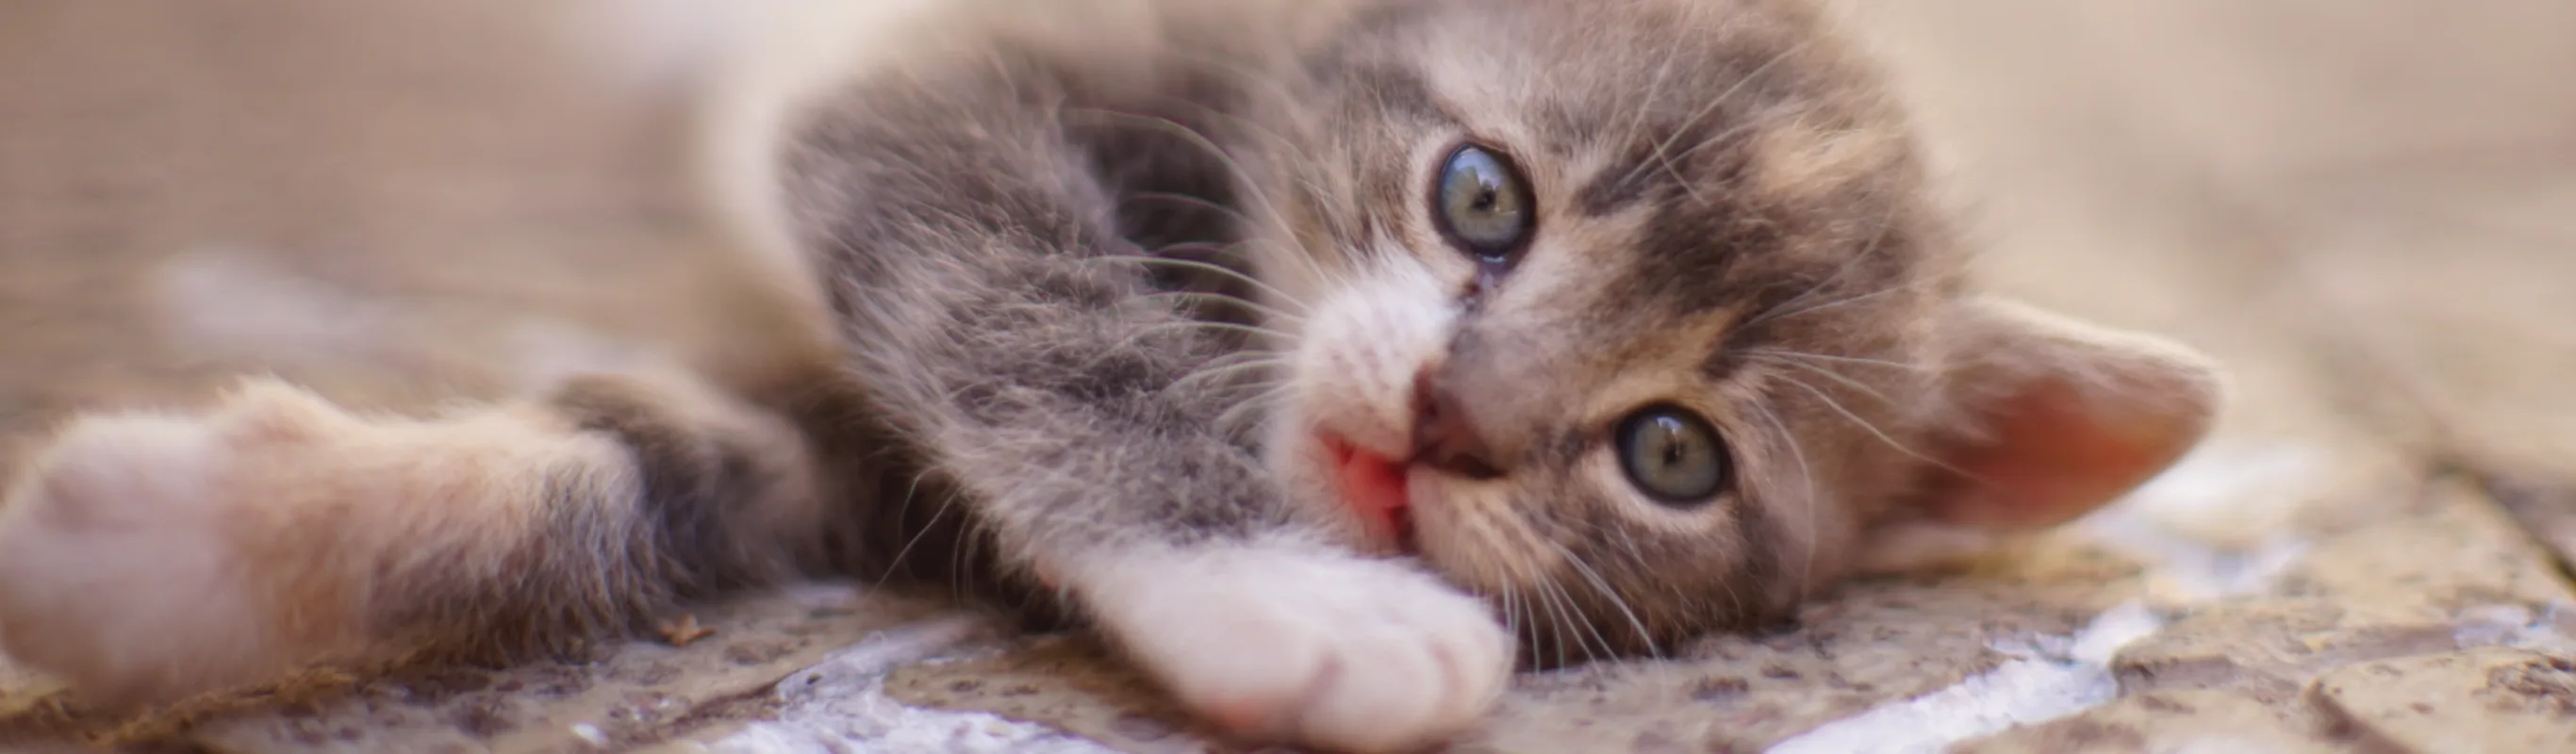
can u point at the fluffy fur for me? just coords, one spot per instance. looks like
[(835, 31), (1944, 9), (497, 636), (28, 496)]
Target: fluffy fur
[(1107, 280)]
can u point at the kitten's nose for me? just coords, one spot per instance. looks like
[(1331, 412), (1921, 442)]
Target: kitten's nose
[(1444, 435)]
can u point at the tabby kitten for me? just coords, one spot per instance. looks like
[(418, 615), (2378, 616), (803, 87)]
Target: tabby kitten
[(1321, 356)]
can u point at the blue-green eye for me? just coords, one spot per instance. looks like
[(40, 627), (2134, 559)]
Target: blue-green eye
[(1673, 456), (1482, 204)]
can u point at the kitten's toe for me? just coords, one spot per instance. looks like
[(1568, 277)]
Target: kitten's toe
[(120, 566), (1324, 648)]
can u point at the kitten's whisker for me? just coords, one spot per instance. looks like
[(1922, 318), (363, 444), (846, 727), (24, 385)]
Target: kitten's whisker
[(1207, 267), (1670, 162), (960, 560), (1254, 404), (1845, 301), (1243, 178), (1584, 621), (896, 563), (1200, 202), (1785, 353), (1877, 238), (1241, 220), (1718, 138), (1807, 494), (1205, 325), (1229, 299), (1865, 425), (1557, 630), (1663, 148), (1603, 586), (1211, 373), (1654, 87), (1304, 259), (1829, 374), (1246, 355), (1249, 75)]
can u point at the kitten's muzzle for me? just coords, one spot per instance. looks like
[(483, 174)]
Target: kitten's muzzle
[(1444, 433)]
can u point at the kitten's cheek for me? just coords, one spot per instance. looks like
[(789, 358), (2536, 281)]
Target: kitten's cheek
[(1431, 520)]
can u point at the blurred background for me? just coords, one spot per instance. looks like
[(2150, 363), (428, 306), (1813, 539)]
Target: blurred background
[(2366, 207)]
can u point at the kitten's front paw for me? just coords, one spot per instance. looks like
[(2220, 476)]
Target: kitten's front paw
[(1315, 646), (131, 560)]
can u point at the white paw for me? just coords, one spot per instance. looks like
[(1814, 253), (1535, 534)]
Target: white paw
[(1310, 645), (122, 560)]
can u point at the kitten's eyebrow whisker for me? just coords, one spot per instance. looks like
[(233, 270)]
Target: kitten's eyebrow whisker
[(1663, 149), (1786, 353), (1868, 250), (1652, 90), (1873, 429), (1829, 374), (1784, 315), (1669, 162)]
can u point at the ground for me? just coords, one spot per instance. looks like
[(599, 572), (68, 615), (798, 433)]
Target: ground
[(2364, 209)]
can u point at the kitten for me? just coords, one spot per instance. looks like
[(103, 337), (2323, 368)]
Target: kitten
[(1323, 357)]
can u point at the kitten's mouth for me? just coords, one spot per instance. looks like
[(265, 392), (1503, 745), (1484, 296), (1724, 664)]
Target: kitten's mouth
[(1374, 487)]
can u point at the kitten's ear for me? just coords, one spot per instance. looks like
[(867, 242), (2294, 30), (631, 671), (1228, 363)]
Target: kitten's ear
[(2051, 418), (2057, 417)]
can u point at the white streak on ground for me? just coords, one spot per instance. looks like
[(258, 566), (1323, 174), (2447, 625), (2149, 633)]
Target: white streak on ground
[(2226, 485), (839, 706), (2060, 676)]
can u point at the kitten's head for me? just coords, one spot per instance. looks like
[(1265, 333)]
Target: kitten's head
[(1637, 316)]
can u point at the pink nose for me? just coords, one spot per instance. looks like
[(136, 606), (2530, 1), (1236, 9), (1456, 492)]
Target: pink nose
[(1444, 435)]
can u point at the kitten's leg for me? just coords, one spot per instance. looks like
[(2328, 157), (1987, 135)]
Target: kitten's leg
[(148, 556), (1001, 316)]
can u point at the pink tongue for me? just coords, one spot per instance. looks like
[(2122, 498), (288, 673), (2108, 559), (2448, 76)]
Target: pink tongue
[(1374, 486)]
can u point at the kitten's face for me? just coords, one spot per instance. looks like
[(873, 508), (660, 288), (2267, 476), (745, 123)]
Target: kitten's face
[(1616, 312)]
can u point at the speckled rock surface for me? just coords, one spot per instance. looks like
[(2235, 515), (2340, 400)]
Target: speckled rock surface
[(2370, 557)]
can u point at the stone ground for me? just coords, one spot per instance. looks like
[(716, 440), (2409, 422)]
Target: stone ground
[(2366, 207)]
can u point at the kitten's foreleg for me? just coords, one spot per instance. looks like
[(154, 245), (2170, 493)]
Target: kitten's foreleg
[(148, 556), (1002, 320)]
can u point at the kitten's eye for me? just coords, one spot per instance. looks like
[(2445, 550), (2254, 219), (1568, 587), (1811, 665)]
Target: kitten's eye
[(1673, 456), (1483, 205)]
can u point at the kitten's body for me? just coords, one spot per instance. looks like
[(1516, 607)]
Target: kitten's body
[(999, 200)]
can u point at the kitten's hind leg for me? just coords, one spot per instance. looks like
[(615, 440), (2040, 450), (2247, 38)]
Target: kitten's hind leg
[(146, 557)]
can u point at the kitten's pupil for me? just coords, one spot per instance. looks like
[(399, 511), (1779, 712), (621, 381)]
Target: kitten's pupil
[(1482, 205), (1673, 456)]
